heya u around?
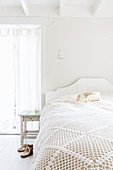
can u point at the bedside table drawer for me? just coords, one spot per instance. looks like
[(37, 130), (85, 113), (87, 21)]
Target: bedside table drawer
[(30, 118)]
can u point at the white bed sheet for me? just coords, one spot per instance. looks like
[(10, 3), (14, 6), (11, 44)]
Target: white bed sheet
[(75, 135)]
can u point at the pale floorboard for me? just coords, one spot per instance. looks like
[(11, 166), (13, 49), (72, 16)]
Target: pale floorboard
[(9, 157)]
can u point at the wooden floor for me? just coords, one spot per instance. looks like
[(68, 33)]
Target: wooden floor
[(9, 157)]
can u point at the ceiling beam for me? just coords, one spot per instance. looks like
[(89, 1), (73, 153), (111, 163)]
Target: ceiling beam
[(61, 7), (26, 7), (98, 6)]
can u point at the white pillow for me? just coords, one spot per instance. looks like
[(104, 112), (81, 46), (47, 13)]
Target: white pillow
[(89, 97), (67, 98)]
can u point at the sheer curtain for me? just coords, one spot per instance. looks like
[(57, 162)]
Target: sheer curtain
[(6, 78), (6, 83), (20, 83), (28, 80)]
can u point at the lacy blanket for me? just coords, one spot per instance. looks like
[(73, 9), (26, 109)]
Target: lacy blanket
[(75, 136)]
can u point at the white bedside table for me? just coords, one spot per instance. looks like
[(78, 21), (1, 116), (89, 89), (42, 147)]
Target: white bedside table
[(28, 115)]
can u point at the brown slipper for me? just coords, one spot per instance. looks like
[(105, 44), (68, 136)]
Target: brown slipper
[(23, 147), (28, 152)]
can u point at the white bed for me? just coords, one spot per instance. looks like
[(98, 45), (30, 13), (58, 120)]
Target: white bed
[(75, 135)]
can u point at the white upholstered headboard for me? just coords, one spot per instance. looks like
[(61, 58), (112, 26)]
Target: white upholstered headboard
[(80, 86)]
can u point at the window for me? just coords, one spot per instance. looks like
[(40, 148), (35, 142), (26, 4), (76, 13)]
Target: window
[(20, 85)]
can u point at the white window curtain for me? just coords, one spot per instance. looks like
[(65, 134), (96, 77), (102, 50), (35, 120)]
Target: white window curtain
[(20, 65), (28, 83), (6, 79)]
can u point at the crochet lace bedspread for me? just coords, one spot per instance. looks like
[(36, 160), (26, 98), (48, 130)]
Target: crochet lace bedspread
[(75, 136)]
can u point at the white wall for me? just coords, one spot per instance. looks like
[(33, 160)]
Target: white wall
[(87, 46)]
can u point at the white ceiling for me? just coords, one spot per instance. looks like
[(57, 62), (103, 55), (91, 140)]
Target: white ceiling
[(10, 2), (56, 8), (80, 2), (45, 3)]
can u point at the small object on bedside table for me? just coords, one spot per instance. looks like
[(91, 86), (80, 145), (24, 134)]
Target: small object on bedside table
[(36, 111), (28, 115)]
